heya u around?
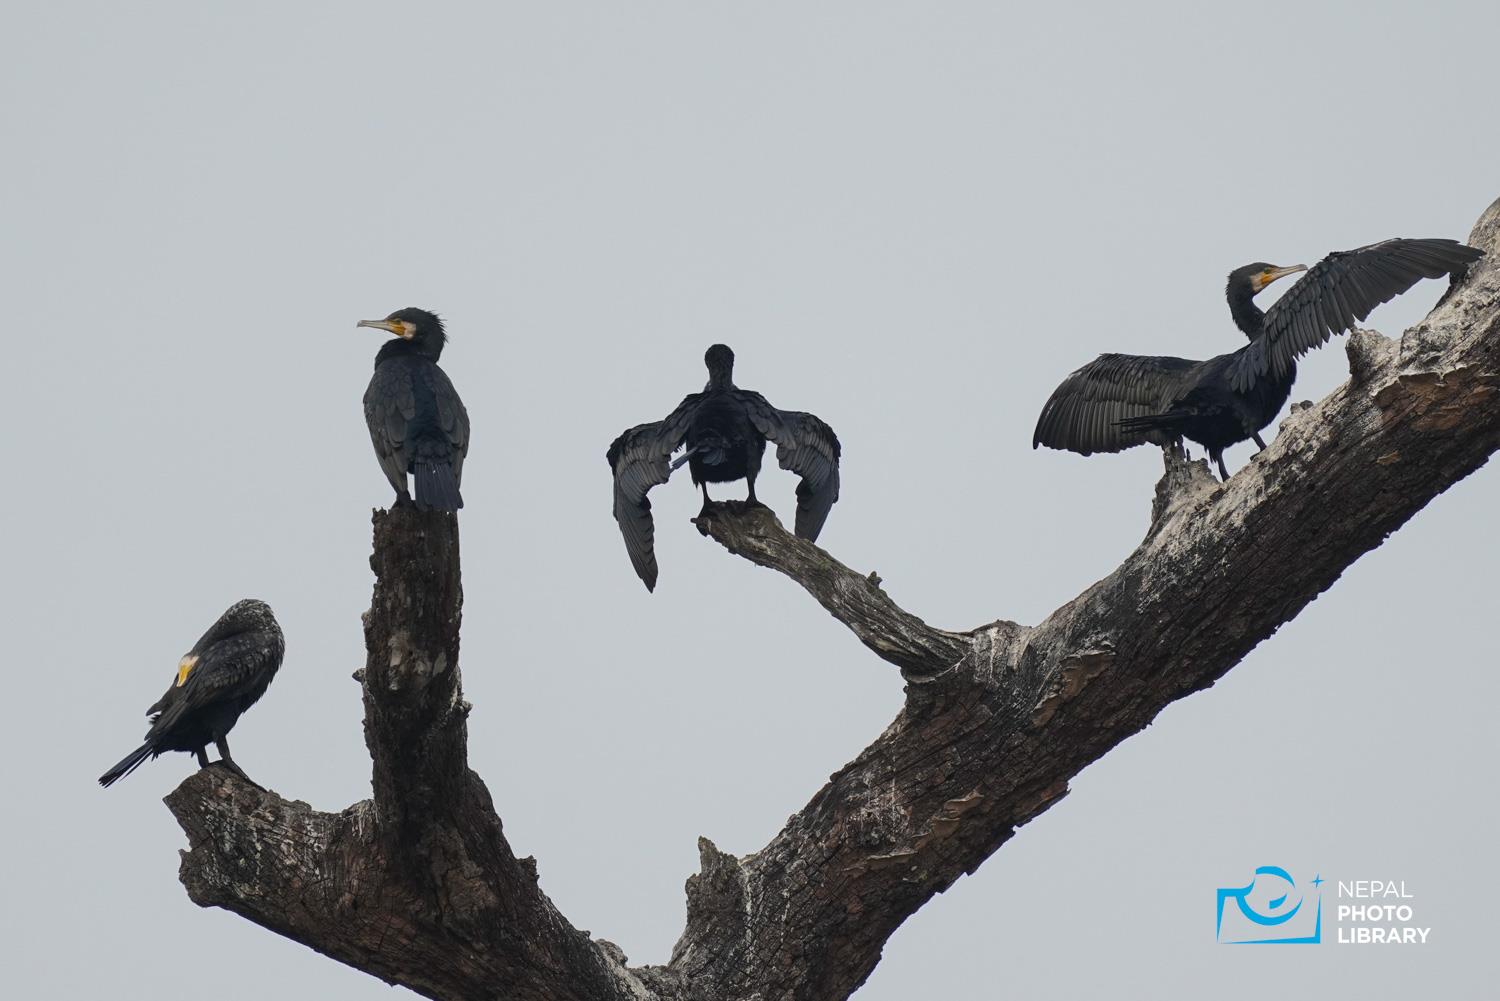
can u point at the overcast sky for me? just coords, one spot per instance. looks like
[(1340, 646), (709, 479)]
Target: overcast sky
[(911, 219)]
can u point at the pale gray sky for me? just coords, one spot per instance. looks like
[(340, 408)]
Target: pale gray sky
[(911, 219)]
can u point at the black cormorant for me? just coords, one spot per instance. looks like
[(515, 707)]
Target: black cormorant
[(218, 679), (1117, 401), (725, 429), (417, 422)]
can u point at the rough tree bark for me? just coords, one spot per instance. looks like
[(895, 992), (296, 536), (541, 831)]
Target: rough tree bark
[(418, 886)]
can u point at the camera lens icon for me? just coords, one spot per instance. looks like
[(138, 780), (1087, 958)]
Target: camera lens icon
[(1270, 910)]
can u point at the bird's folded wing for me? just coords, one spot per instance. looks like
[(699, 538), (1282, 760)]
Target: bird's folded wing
[(451, 416), (805, 445), (390, 405), (639, 459), (1083, 413), (231, 668), (1338, 292)]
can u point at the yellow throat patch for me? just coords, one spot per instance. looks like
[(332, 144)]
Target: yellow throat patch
[(185, 667)]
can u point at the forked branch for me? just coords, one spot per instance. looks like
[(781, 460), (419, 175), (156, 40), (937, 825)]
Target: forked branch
[(419, 886)]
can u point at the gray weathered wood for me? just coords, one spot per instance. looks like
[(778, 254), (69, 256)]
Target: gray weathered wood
[(419, 886)]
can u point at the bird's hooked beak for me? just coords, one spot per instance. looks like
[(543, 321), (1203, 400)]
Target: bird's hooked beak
[(1269, 275), (402, 329)]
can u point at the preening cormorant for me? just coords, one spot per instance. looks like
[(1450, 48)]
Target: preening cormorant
[(725, 429), (218, 679), (417, 422), (1117, 401)]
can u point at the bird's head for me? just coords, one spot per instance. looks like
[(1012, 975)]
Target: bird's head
[(1255, 277), (720, 362), (719, 357), (1243, 286), (417, 327), (248, 615)]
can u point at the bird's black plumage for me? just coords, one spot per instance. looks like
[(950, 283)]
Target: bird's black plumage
[(725, 429), (1117, 401), (224, 674), (417, 422)]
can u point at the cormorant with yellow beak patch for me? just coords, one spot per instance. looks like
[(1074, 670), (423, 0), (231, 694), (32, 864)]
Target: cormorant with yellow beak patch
[(417, 422), (1118, 401), (224, 674)]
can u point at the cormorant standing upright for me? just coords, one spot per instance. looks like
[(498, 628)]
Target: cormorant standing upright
[(225, 672), (417, 422), (725, 429), (1117, 401)]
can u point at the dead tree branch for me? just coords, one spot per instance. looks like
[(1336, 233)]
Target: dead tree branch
[(893, 633), (419, 886)]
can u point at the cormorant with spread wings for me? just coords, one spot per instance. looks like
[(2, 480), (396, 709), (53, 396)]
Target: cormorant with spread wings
[(1118, 401), (224, 674), (725, 429)]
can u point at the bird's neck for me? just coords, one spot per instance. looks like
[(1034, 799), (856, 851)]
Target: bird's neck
[(719, 381), (1247, 315), (398, 348)]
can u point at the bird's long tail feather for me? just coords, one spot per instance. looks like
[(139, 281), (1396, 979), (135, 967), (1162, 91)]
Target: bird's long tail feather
[(711, 448), (128, 764), (437, 487), (684, 457)]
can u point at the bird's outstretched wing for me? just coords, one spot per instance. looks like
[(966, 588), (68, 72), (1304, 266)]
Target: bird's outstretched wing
[(1339, 291), (639, 461), (805, 446), (238, 666), (1083, 413)]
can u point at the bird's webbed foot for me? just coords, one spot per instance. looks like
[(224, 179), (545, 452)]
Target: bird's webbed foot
[(707, 513), (740, 508), (728, 509), (238, 772), (234, 769), (751, 502)]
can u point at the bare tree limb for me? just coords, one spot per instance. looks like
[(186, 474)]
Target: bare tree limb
[(419, 886), (893, 633), (989, 739)]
